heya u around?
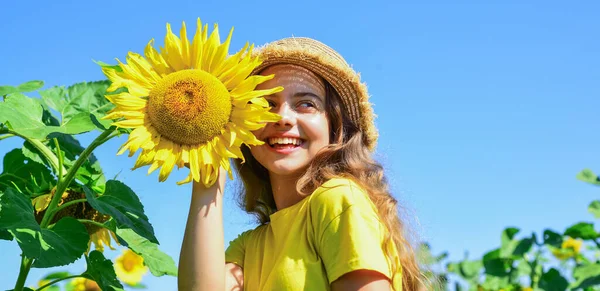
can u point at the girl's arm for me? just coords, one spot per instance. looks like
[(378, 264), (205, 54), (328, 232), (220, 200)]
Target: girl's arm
[(202, 258), (363, 280)]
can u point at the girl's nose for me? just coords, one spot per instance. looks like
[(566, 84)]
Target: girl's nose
[(288, 116)]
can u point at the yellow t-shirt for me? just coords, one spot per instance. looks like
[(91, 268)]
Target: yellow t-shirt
[(309, 245)]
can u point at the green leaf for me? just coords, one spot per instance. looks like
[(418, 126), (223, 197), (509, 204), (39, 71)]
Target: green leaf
[(25, 87), (586, 276), (594, 208), (552, 238), (23, 115), (61, 245), (470, 269), (80, 106), (588, 176), (24, 175), (30, 86), (509, 233), (512, 248), (495, 265), (4, 234), (158, 262), (109, 66), (56, 275), (523, 268), (102, 271), (495, 283), (120, 202), (583, 230)]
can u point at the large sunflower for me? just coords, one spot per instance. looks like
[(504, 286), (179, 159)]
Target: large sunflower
[(189, 104)]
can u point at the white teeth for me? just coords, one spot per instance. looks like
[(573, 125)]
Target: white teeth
[(284, 140)]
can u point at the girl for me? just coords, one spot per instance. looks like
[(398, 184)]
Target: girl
[(327, 220)]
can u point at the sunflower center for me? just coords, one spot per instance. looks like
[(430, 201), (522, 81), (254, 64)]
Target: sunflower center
[(129, 264), (189, 106)]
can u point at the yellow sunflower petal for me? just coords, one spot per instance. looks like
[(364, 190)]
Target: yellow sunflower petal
[(41, 202), (172, 52), (209, 48), (188, 179), (228, 67), (185, 47), (170, 162), (158, 63), (119, 80), (194, 164), (197, 46), (144, 159), (126, 101), (129, 123), (255, 97), (220, 54), (143, 68)]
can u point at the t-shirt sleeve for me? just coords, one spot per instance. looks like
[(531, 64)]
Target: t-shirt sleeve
[(236, 250), (348, 233)]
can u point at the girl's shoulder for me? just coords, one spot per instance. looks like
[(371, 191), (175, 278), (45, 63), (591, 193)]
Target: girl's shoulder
[(338, 194)]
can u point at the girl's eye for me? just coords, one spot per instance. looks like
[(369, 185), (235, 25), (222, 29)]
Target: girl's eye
[(271, 103), (306, 104)]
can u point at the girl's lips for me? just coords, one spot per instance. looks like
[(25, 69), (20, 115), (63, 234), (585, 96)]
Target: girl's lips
[(284, 149)]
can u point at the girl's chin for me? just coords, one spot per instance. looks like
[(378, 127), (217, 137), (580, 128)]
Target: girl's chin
[(286, 170)]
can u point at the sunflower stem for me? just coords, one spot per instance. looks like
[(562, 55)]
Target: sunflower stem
[(65, 205), (93, 222), (62, 186), (58, 280), (6, 136), (44, 150), (23, 272), (60, 160)]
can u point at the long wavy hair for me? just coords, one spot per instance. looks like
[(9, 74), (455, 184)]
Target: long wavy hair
[(345, 156)]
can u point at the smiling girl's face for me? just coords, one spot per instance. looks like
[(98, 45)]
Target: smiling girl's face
[(292, 143)]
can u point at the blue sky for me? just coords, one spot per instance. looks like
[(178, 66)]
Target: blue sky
[(486, 111)]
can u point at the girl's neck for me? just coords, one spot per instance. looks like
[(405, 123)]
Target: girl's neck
[(284, 190)]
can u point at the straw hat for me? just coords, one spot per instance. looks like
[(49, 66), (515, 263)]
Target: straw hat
[(327, 63)]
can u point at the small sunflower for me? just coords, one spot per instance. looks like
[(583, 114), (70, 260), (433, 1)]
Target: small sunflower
[(99, 236), (41, 283), (83, 284), (130, 267), (569, 248), (189, 104)]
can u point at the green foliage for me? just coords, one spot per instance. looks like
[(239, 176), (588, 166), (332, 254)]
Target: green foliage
[(101, 270), (47, 126), (553, 281), (24, 175), (80, 107), (120, 202), (23, 116), (62, 244), (588, 176), (158, 262), (586, 276), (25, 87), (582, 230), (521, 263)]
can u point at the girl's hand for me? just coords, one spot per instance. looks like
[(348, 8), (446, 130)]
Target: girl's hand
[(217, 188)]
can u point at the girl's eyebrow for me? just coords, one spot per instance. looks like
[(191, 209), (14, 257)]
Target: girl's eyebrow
[(309, 94)]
